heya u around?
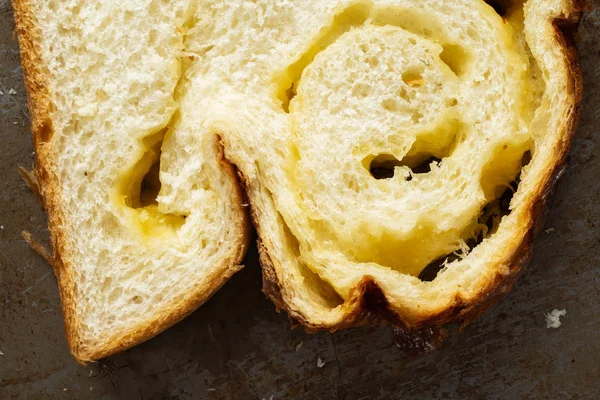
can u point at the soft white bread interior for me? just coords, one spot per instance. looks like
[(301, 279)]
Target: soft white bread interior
[(381, 140), (132, 256)]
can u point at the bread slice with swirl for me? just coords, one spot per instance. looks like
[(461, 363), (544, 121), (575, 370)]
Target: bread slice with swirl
[(396, 154)]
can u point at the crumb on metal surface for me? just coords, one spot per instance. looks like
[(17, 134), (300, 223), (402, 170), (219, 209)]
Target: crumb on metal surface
[(320, 363), (553, 318)]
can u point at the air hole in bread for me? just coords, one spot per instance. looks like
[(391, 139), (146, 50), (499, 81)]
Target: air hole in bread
[(428, 150), (495, 210), (505, 165), (431, 271), (139, 189), (383, 166), (451, 102), (500, 6), (413, 78), (567, 30), (144, 182), (526, 159), (487, 225), (290, 93), (425, 166), (45, 132), (456, 58), (150, 186)]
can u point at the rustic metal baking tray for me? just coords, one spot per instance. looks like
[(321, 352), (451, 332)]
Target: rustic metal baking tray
[(237, 347)]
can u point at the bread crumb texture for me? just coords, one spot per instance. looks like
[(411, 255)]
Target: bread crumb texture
[(553, 318), (401, 140)]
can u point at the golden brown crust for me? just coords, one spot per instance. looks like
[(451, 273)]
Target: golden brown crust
[(367, 304), (36, 78)]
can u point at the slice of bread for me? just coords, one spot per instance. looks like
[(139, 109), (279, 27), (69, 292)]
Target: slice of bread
[(132, 256), (397, 154)]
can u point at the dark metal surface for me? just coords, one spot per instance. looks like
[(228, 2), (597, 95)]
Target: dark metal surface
[(237, 346)]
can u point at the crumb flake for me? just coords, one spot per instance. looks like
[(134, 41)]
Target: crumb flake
[(553, 318), (299, 345), (320, 363), (12, 91)]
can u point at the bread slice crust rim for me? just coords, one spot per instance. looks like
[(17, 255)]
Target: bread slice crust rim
[(39, 104)]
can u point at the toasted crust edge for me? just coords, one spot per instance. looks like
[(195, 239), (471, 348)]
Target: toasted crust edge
[(367, 304), (36, 78)]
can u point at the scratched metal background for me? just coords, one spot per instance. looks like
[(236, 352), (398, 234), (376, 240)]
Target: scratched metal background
[(237, 347)]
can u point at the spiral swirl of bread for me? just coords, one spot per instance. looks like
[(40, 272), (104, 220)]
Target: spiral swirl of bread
[(397, 154)]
